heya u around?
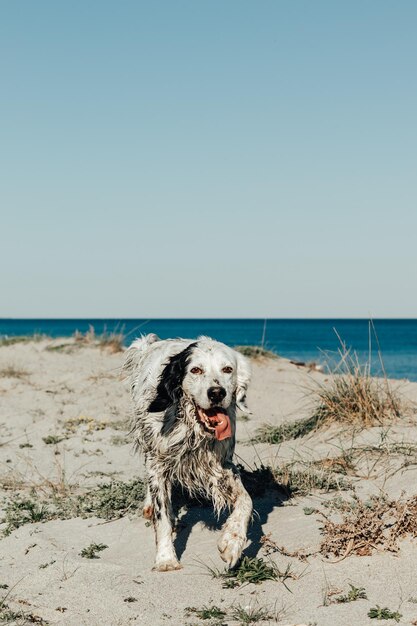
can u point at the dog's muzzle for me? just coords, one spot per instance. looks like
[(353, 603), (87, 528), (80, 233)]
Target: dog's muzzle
[(216, 395), (216, 421)]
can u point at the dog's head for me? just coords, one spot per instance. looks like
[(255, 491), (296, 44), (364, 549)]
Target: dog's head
[(209, 373)]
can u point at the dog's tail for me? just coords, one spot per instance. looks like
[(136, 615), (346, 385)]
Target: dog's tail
[(136, 350)]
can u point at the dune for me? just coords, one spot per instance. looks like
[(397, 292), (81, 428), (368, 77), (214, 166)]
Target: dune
[(75, 550)]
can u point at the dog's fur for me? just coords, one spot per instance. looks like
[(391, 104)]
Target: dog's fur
[(170, 381)]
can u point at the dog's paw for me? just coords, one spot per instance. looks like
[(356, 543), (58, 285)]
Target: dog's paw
[(230, 546), (166, 566)]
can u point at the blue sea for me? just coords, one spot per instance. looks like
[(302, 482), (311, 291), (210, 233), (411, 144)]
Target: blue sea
[(296, 339)]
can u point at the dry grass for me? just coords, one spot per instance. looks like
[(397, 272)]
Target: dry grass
[(11, 341), (290, 479), (304, 477), (271, 547), (113, 341), (11, 371), (354, 397), (377, 524), (371, 460), (91, 424)]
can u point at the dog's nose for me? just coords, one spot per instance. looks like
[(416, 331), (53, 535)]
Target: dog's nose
[(216, 394)]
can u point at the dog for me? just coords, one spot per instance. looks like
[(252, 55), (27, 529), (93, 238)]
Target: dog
[(185, 394)]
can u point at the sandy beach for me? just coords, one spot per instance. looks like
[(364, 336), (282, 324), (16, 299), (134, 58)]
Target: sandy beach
[(63, 429)]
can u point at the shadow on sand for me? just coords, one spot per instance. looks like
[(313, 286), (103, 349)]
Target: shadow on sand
[(265, 493)]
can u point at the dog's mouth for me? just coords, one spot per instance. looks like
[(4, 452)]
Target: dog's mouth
[(216, 421)]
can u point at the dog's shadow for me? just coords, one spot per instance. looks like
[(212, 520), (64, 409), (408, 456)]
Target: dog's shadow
[(265, 493)]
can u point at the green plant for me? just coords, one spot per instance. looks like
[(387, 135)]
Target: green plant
[(90, 552), (108, 501), (52, 439), (354, 593), (10, 341), (384, 613), (19, 618), (118, 440), (45, 565), (252, 570), (206, 612), (22, 511), (113, 500), (256, 352), (252, 614), (284, 432)]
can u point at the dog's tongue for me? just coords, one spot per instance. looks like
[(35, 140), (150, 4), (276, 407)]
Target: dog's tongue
[(218, 421), (222, 426)]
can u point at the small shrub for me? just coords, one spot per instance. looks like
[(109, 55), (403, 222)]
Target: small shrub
[(52, 439), (252, 570), (91, 551), (113, 500), (284, 432), (19, 618), (91, 423), (114, 340), (22, 511), (45, 565), (384, 613), (376, 524), (108, 501), (252, 614), (11, 341), (354, 593), (11, 371), (354, 397), (256, 352), (206, 612), (299, 478), (118, 440)]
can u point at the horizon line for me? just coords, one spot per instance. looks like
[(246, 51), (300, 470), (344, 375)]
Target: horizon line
[(174, 318)]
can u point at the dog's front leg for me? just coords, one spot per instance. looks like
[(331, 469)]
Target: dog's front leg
[(160, 491), (234, 532)]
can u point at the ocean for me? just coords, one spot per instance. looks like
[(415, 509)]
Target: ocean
[(297, 339)]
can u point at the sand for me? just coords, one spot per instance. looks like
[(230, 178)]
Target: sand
[(62, 389)]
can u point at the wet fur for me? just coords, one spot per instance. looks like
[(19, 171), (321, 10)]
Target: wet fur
[(176, 447)]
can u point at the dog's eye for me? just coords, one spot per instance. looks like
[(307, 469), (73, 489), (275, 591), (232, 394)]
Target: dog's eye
[(196, 370), (227, 369)]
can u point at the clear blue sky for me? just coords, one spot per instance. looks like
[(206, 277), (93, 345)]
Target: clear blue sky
[(216, 158)]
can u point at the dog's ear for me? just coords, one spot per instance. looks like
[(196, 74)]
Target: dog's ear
[(169, 389), (243, 379)]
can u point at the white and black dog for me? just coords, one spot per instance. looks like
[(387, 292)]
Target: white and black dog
[(185, 395)]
